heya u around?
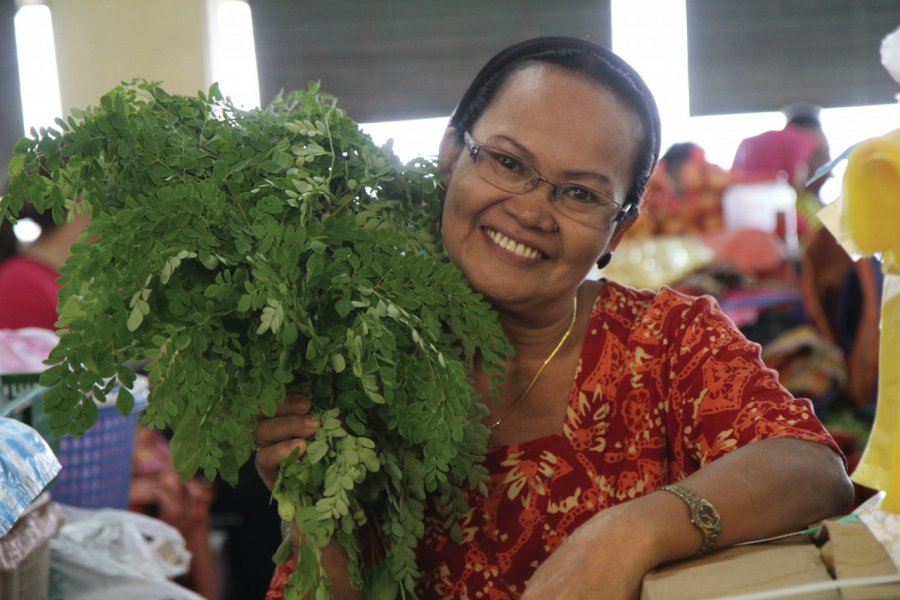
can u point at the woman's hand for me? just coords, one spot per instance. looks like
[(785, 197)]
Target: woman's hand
[(276, 437)]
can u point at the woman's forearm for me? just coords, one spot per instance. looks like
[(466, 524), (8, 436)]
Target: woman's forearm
[(763, 489), (334, 561)]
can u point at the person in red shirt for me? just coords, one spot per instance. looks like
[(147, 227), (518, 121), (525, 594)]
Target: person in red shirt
[(621, 410), (29, 290)]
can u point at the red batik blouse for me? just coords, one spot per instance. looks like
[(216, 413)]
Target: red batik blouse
[(665, 384)]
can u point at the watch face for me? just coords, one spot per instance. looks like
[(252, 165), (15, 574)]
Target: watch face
[(706, 515)]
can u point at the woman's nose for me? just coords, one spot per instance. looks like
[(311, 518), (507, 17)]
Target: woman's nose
[(534, 208)]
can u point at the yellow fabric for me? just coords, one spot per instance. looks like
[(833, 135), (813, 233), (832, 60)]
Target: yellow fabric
[(879, 467), (871, 196), (870, 222)]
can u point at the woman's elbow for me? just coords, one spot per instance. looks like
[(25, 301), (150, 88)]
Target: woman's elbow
[(844, 492), (835, 488)]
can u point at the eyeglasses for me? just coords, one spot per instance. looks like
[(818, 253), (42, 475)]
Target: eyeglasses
[(511, 174)]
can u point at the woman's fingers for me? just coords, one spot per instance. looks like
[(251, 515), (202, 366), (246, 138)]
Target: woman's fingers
[(276, 437), (294, 404), (270, 457), (272, 430)]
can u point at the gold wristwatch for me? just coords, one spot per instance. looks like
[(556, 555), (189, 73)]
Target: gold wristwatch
[(704, 516)]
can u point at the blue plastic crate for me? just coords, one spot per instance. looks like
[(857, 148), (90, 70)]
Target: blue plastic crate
[(20, 398), (97, 466), (96, 469)]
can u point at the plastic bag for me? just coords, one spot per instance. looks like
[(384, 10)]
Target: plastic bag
[(113, 554), (25, 350), (884, 525), (27, 466)]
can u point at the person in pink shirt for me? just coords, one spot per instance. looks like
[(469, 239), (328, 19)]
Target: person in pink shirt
[(789, 150), (797, 151), (29, 289)]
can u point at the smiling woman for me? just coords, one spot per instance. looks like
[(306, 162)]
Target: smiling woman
[(591, 137), (613, 394)]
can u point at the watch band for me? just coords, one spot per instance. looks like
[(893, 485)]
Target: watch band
[(704, 516)]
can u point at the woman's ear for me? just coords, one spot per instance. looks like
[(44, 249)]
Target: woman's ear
[(621, 229), (449, 151)]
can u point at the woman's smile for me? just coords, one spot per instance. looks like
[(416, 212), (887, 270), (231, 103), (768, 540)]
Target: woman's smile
[(510, 245)]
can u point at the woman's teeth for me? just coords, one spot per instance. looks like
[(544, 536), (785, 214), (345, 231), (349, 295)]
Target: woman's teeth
[(509, 245)]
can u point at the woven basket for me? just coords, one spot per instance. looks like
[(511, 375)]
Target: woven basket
[(25, 553)]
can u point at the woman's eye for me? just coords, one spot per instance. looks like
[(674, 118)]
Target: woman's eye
[(583, 195), (510, 163)]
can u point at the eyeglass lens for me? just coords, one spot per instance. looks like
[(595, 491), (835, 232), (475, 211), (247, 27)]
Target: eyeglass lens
[(514, 175)]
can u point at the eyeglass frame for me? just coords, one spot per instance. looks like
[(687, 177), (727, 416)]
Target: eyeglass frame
[(625, 211)]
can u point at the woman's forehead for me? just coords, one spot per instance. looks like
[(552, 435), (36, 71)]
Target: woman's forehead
[(546, 108), (550, 92)]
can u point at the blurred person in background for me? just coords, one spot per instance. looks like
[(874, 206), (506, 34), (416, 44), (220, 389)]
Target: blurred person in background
[(684, 194), (797, 150), (29, 271), (29, 293), (841, 297), (806, 116)]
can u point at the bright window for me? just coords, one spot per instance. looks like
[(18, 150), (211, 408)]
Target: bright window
[(233, 52), (38, 78), (652, 36)]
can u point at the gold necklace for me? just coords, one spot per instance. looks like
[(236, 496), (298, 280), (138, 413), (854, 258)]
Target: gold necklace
[(534, 379)]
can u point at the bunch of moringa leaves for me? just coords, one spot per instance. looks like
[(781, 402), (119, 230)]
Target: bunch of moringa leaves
[(247, 253)]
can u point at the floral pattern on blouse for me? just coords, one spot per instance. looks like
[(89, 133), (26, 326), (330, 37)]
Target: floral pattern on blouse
[(665, 384)]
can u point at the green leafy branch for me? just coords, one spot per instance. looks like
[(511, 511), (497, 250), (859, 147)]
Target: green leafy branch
[(243, 253)]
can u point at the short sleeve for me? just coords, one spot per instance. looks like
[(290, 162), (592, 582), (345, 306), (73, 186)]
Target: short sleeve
[(29, 293), (722, 395)]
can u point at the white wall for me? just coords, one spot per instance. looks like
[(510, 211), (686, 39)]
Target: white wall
[(100, 43)]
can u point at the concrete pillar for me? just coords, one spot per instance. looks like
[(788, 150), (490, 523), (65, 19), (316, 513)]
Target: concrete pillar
[(100, 43), (11, 108)]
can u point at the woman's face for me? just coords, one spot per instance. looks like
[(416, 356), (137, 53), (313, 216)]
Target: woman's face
[(519, 250)]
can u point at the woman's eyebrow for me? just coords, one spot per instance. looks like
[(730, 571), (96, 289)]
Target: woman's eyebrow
[(580, 175), (523, 152), (519, 148)]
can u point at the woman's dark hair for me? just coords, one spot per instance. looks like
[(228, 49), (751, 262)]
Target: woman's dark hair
[(8, 240), (680, 152), (585, 58)]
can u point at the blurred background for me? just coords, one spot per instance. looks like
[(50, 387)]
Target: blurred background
[(720, 70)]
